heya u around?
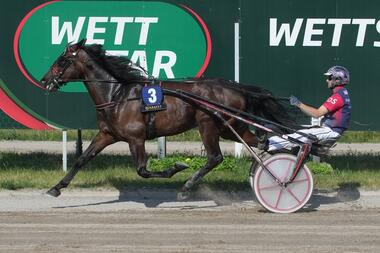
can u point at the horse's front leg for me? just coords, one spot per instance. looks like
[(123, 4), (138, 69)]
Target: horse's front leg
[(137, 149), (210, 137), (100, 141), (212, 162)]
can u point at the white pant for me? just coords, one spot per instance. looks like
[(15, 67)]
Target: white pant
[(322, 133)]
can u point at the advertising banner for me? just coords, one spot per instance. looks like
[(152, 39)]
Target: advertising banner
[(285, 46)]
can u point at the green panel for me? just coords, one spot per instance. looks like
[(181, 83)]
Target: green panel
[(7, 123), (284, 69), (298, 69), (219, 16)]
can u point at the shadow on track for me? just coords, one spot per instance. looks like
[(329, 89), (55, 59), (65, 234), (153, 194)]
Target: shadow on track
[(154, 197)]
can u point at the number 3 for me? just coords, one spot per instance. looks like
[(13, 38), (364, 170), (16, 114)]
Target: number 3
[(153, 98)]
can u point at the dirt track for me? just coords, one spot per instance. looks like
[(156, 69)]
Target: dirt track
[(152, 221), (228, 230)]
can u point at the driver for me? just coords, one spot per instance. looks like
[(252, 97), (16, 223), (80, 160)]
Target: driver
[(336, 111)]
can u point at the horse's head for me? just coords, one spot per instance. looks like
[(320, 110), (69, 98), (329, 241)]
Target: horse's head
[(65, 68)]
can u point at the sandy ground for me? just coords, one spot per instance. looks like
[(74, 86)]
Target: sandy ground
[(153, 221), (230, 230)]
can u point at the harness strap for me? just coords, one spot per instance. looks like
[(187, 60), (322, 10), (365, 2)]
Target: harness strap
[(133, 98), (105, 105), (151, 128)]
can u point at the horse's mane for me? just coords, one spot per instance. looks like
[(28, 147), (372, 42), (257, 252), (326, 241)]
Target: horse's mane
[(121, 68)]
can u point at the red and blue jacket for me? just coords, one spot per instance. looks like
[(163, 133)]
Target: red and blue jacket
[(339, 107)]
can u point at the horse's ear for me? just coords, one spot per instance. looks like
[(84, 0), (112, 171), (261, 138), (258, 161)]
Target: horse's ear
[(82, 42), (74, 48)]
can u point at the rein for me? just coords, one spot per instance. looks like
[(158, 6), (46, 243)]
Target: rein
[(110, 104), (105, 105), (104, 81)]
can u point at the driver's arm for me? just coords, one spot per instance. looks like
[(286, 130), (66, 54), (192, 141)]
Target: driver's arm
[(313, 112)]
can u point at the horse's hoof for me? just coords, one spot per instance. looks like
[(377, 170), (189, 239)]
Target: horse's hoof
[(54, 192), (181, 166), (184, 195)]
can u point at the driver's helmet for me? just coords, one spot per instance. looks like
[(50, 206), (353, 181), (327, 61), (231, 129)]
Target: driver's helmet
[(339, 73)]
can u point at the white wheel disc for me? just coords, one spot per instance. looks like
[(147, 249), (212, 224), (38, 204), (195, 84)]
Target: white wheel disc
[(273, 196)]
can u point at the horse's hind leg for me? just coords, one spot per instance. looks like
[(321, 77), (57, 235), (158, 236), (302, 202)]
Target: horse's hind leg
[(210, 137), (100, 141)]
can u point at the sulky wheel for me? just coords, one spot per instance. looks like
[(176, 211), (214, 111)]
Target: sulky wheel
[(279, 198), (255, 165)]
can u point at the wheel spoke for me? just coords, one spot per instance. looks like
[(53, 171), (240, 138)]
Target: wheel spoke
[(278, 198), (269, 187), (299, 180), (285, 178), (273, 186), (294, 196)]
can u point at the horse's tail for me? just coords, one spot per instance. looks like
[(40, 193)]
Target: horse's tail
[(262, 103)]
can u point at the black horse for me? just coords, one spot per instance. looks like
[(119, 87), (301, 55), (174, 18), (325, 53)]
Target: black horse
[(115, 83)]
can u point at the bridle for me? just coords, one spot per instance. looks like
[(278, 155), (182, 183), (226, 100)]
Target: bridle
[(57, 80)]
